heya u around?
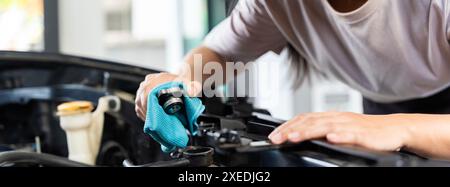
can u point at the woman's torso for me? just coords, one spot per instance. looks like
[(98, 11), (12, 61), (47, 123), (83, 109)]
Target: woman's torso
[(390, 50)]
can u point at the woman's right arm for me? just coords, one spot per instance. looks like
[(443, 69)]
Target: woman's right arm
[(186, 75)]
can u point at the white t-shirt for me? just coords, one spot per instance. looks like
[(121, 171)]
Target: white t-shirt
[(389, 50)]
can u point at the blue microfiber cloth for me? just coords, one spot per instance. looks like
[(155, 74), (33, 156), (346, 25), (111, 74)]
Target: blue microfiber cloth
[(170, 130)]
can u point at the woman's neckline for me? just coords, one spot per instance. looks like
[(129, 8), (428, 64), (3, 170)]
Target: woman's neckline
[(356, 15)]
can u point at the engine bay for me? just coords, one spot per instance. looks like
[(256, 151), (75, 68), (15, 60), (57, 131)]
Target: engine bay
[(33, 85), (232, 133)]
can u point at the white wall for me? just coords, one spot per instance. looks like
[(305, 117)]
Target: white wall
[(315, 95), (279, 97), (81, 24), (174, 43), (82, 33)]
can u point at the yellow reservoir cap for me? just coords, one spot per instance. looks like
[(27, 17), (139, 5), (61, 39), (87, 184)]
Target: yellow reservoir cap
[(75, 107)]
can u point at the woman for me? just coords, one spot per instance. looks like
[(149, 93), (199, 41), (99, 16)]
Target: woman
[(395, 52)]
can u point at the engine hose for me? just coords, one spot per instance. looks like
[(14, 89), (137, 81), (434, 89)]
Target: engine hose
[(13, 157)]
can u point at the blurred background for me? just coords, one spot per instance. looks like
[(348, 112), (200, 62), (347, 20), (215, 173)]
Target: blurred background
[(154, 34)]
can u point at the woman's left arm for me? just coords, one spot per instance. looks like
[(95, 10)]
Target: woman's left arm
[(427, 135)]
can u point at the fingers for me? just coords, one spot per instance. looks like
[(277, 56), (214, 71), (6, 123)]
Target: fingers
[(151, 81), (193, 88), (370, 132), (302, 118), (343, 138), (138, 109), (304, 129), (140, 114), (311, 126), (313, 131), (141, 95), (144, 99)]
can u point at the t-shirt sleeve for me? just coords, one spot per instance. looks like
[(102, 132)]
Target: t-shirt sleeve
[(447, 12), (246, 34)]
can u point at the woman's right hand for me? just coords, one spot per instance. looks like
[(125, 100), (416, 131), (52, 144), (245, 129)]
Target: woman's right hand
[(154, 80)]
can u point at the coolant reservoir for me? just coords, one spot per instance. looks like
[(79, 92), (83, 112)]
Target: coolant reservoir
[(84, 128)]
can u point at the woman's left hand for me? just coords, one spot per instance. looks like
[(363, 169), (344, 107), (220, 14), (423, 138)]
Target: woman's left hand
[(382, 133)]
